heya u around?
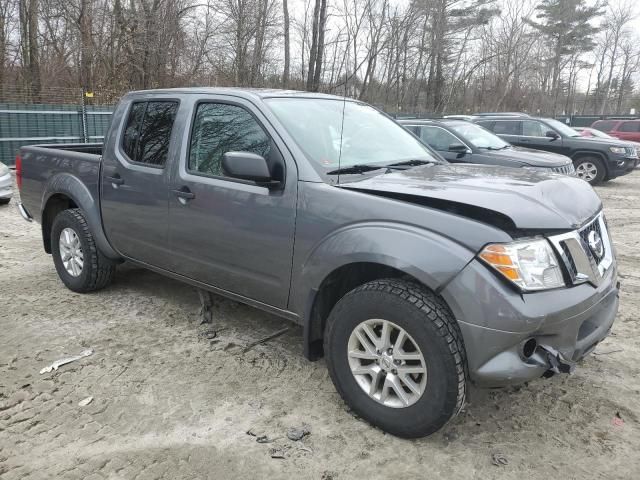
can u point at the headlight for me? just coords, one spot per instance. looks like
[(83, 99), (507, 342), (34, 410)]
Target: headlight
[(618, 150), (530, 264)]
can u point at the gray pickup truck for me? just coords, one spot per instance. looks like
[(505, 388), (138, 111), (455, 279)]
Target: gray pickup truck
[(413, 277)]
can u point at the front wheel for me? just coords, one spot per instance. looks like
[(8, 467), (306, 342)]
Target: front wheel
[(590, 169), (79, 263), (395, 354)]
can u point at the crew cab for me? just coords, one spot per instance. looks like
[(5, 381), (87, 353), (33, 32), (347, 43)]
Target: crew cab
[(413, 277), (596, 159)]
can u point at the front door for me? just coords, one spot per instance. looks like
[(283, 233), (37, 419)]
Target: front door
[(534, 135), (134, 200), (227, 233)]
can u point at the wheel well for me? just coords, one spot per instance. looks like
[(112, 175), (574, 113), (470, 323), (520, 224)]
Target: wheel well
[(56, 204), (599, 156), (339, 282)]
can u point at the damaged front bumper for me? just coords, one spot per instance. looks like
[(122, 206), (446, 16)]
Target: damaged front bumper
[(512, 338)]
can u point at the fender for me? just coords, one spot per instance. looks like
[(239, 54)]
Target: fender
[(432, 259), (71, 186)]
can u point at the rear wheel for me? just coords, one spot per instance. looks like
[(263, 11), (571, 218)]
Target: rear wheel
[(79, 263), (395, 354), (590, 169)]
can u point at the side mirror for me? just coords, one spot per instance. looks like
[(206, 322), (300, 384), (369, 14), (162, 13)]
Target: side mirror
[(552, 135), (247, 166), (458, 147)]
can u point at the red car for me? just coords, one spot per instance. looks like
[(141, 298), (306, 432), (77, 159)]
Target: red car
[(593, 133), (622, 129)]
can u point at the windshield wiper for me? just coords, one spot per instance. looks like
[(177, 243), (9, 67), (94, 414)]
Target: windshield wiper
[(412, 163), (360, 168), (495, 149)]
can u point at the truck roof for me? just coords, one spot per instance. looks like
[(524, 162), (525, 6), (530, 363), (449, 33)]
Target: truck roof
[(254, 93)]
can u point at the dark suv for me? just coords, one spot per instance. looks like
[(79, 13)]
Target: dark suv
[(595, 159), (460, 141)]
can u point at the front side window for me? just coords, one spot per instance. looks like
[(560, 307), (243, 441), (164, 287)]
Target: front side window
[(437, 138), (220, 128), (605, 126), (629, 127), (531, 128), (507, 127), (148, 132)]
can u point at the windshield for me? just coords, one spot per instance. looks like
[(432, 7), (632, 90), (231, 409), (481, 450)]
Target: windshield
[(477, 136), (561, 128), (368, 136)]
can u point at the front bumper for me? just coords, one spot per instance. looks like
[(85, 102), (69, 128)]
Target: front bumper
[(6, 186), (622, 166), (496, 321)]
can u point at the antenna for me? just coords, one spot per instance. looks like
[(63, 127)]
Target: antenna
[(344, 103)]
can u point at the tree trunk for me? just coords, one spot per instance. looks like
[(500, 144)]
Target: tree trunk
[(287, 48)]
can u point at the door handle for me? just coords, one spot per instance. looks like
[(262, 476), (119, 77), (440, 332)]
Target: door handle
[(115, 180), (184, 193)]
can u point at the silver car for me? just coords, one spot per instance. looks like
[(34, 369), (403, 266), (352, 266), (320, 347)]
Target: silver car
[(6, 184)]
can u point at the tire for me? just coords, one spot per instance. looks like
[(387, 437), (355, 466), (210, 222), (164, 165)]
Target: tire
[(4, 201), (96, 271), (429, 324), (590, 169)]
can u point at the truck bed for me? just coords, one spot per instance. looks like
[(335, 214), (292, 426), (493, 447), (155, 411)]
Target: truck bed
[(46, 165)]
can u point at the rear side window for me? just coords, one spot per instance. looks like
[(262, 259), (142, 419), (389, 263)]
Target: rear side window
[(148, 132), (604, 126), (220, 128), (629, 127), (507, 127)]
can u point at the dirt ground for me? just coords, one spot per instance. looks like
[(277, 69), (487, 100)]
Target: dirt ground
[(170, 401)]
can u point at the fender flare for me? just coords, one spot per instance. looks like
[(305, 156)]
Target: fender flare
[(430, 258), (72, 187)]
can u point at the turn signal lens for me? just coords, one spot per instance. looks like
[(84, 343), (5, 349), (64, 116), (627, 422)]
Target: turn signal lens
[(531, 265)]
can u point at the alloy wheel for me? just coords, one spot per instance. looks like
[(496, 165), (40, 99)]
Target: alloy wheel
[(71, 252), (387, 363), (587, 171)]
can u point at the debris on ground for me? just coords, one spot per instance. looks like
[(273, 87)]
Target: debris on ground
[(63, 361), (295, 433), (85, 402), (609, 352), (498, 459), (266, 339), (266, 439), (276, 452), (617, 420), (206, 305)]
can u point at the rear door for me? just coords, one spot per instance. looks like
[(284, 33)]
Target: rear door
[(224, 232), (134, 181), (509, 130)]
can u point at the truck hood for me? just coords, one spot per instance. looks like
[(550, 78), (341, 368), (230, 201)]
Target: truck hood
[(529, 200), (531, 157), (607, 142)]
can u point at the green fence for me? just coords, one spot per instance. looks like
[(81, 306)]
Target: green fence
[(30, 123)]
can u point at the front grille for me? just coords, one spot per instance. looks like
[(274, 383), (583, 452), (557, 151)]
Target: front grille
[(585, 235), (630, 151), (567, 169), (586, 253)]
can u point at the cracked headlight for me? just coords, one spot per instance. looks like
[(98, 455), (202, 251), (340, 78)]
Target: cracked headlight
[(530, 264)]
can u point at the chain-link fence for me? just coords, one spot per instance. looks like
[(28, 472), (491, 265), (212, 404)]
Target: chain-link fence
[(53, 115)]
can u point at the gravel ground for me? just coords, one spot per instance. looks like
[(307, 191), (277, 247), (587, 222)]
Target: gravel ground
[(170, 401)]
